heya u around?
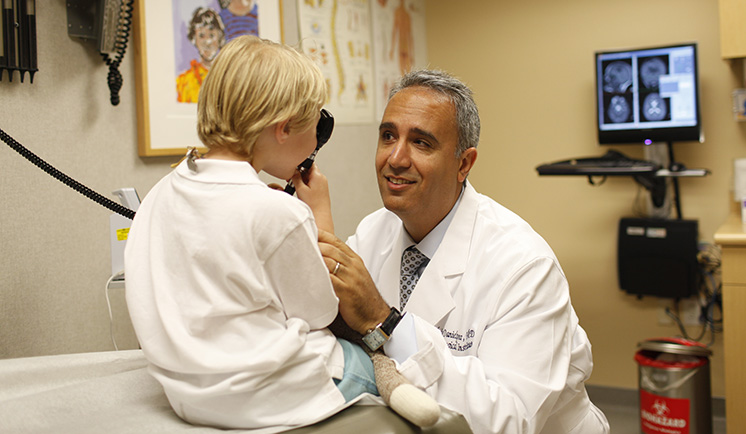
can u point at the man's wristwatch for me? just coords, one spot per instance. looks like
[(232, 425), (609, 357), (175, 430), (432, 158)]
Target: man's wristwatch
[(378, 336)]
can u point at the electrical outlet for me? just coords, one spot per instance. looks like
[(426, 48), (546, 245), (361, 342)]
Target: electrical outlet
[(663, 318), (690, 311)]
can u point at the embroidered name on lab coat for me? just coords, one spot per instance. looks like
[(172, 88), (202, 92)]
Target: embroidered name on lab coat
[(456, 340)]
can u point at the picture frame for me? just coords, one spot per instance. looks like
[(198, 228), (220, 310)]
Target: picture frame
[(169, 67)]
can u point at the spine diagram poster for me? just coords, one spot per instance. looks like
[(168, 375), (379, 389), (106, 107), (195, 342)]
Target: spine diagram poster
[(337, 34)]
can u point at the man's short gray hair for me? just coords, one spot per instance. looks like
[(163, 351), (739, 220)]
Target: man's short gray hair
[(467, 114)]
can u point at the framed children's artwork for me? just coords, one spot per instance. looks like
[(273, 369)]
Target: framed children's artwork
[(175, 42)]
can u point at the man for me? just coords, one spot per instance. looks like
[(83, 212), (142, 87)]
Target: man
[(488, 329)]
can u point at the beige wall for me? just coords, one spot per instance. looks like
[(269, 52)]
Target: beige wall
[(531, 67)]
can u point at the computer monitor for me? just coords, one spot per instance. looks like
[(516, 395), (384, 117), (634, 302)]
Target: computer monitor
[(648, 95)]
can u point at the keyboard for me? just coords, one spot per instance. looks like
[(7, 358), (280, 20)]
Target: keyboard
[(611, 163)]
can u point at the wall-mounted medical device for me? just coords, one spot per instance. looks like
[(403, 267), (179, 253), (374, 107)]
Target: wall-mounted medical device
[(107, 23), (658, 257), (18, 38)]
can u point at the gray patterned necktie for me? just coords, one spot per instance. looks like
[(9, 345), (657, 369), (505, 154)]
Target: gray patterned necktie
[(412, 260)]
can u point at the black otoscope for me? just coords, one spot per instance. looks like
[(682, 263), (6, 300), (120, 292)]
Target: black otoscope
[(323, 132)]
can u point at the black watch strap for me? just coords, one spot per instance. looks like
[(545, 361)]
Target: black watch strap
[(378, 336), (391, 321)]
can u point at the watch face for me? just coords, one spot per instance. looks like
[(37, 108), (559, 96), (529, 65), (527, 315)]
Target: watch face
[(374, 339)]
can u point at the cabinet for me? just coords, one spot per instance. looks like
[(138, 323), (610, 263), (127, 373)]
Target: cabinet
[(732, 28), (731, 237)]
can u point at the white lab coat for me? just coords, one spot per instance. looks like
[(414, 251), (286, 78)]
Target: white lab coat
[(506, 350), (230, 299)]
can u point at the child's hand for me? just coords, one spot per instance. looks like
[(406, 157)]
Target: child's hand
[(314, 191)]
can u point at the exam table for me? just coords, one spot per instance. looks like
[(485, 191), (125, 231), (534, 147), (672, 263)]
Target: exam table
[(112, 393)]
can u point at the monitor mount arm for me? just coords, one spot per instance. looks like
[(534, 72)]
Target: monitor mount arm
[(655, 185), (658, 186)]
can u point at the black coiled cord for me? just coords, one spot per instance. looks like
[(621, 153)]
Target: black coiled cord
[(114, 77), (75, 185)]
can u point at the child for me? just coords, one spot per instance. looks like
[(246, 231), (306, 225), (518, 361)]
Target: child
[(227, 290)]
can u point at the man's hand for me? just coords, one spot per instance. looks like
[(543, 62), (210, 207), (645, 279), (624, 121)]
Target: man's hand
[(360, 303), (312, 188)]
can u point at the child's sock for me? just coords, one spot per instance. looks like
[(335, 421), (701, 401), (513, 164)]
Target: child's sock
[(397, 392), (410, 402)]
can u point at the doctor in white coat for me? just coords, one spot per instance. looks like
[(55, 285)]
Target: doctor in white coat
[(488, 330)]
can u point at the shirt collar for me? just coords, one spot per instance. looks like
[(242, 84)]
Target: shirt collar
[(219, 171), (429, 245)]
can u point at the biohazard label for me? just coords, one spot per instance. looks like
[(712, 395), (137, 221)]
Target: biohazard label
[(662, 415)]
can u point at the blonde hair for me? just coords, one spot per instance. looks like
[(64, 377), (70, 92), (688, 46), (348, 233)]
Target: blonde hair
[(255, 83)]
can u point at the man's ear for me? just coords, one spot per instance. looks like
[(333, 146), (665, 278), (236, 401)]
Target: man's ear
[(282, 131), (466, 162)]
